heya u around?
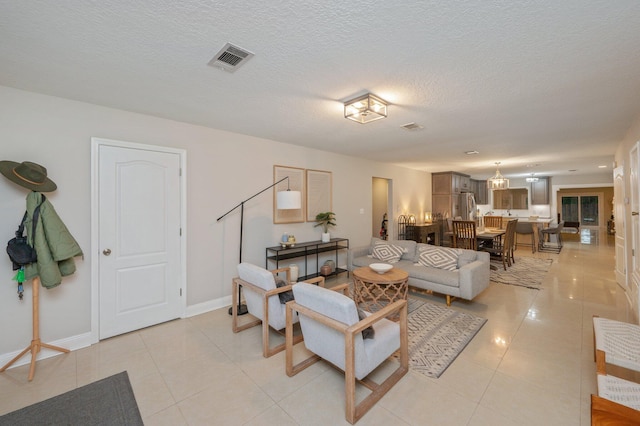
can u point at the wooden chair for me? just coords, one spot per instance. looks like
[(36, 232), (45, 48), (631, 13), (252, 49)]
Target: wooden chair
[(609, 413), (332, 330), (618, 400), (263, 303), (504, 247), (464, 234), (616, 343), (492, 222)]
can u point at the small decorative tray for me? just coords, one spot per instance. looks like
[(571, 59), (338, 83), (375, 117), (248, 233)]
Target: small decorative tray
[(287, 245)]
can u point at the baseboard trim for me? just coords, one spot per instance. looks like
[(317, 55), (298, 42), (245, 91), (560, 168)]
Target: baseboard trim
[(72, 343)]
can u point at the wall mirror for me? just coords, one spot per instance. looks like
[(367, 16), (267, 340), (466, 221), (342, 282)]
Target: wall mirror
[(511, 199)]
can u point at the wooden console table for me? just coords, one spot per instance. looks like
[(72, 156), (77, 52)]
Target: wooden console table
[(421, 232), (308, 250)]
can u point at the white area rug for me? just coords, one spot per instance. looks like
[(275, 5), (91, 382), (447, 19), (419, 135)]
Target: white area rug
[(525, 272)]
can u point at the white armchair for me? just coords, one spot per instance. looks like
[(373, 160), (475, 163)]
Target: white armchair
[(263, 302), (332, 330)]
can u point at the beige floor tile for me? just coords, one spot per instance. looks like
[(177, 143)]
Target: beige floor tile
[(273, 415), (528, 404), (152, 394), (530, 364), (171, 416), (232, 401), (416, 401)]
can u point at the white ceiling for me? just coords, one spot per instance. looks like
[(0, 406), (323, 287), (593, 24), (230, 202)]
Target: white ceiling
[(554, 84)]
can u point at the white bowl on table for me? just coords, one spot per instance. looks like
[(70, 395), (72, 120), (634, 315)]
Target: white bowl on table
[(381, 268)]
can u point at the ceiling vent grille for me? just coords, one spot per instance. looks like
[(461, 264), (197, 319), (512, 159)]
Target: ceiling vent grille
[(230, 58), (412, 126)]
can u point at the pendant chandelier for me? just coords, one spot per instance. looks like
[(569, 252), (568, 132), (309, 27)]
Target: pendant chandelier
[(498, 181)]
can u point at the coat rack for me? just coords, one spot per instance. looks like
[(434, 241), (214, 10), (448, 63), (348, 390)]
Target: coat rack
[(36, 344)]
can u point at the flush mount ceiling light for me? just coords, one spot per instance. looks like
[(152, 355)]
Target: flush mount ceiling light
[(532, 178), (498, 181), (365, 109)]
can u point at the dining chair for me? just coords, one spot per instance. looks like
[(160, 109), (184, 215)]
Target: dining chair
[(492, 222), (504, 247), (464, 234), (545, 238)]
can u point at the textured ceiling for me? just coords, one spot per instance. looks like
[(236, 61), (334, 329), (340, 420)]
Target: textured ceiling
[(555, 84)]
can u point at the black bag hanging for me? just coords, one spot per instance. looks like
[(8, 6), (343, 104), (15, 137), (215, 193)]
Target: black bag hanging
[(18, 249)]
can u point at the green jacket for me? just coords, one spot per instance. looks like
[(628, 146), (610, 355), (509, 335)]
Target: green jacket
[(54, 244)]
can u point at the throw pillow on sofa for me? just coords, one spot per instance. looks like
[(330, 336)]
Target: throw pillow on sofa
[(389, 253), (438, 257)]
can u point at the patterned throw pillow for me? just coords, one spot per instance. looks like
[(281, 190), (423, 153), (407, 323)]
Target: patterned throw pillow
[(437, 257), (387, 252)]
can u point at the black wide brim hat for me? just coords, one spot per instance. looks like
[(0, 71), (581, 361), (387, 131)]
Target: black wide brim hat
[(28, 175)]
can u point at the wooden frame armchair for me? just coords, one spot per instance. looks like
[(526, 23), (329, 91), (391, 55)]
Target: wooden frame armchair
[(332, 331), (263, 303)]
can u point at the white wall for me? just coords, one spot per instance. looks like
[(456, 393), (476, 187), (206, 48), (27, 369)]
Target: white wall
[(223, 169)]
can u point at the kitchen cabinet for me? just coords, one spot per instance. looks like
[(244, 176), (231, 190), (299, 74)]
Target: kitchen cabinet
[(445, 190), (450, 183), (540, 191), (479, 188)]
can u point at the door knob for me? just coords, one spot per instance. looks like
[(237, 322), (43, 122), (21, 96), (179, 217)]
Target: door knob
[(106, 252), (634, 213)]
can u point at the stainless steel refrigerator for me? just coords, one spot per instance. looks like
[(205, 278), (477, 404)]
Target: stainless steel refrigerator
[(468, 207)]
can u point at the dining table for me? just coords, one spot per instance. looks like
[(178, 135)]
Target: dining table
[(489, 235)]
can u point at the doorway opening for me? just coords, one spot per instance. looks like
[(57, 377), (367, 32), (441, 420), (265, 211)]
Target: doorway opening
[(380, 208)]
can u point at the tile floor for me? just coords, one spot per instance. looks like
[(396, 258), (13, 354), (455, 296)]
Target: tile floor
[(531, 364)]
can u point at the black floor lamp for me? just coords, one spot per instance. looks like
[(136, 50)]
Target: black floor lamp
[(285, 200)]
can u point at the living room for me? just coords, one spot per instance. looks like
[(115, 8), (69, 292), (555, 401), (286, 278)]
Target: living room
[(222, 169)]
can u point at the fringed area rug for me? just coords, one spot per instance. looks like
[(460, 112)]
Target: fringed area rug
[(525, 272), (437, 335), (108, 401)]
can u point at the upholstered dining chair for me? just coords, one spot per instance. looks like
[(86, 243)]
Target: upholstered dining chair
[(545, 238), (263, 298), (464, 234), (504, 247), (525, 228), (333, 331)]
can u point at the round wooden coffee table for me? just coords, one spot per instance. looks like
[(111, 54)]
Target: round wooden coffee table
[(373, 291)]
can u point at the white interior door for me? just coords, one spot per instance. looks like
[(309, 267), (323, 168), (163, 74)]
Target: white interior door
[(618, 208), (139, 238), (635, 225)]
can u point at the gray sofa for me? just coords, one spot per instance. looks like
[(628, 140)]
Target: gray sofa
[(468, 279)]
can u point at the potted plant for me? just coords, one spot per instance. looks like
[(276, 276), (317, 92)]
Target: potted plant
[(325, 219)]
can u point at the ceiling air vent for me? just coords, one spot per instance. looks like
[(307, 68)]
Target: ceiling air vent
[(412, 126), (230, 58)]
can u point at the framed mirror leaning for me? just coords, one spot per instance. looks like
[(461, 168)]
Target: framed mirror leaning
[(511, 199)]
